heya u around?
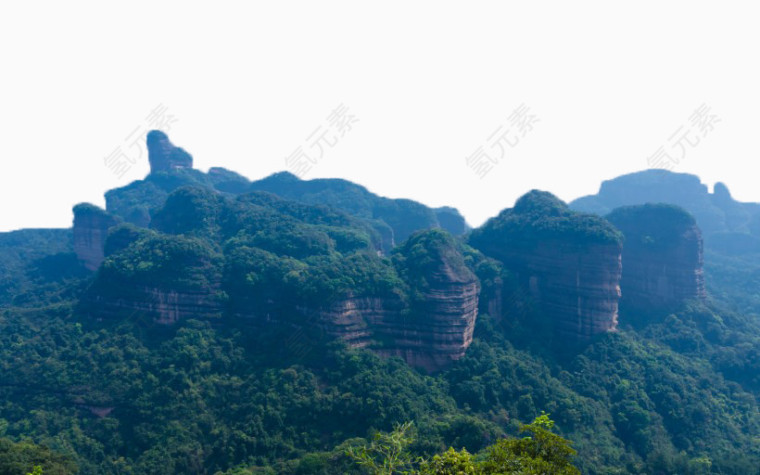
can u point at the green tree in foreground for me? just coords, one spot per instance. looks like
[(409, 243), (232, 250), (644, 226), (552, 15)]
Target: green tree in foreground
[(450, 462), (28, 458), (541, 452), (388, 453)]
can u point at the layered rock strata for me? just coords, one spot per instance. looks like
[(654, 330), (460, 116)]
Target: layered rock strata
[(569, 262), (163, 155), (662, 256), (162, 305), (91, 225)]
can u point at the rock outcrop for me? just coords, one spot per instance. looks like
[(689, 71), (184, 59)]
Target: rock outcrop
[(166, 278), (163, 155), (438, 327), (442, 330), (431, 327), (163, 306), (728, 226), (570, 263), (662, 256), (91, 225)]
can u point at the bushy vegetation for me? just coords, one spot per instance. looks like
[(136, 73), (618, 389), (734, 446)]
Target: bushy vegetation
[(539, 217), (652, 226), (669, 393)]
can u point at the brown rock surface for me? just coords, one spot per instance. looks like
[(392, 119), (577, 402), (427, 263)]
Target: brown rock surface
[(569, 262), (91, 226), (662, 255)]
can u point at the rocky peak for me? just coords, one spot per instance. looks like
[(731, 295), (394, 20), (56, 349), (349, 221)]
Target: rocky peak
[(662, 255), (444, 302), (163, 155), (91, 226), (569, 262)]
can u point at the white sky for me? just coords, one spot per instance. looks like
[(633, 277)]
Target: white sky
[(610, 82)]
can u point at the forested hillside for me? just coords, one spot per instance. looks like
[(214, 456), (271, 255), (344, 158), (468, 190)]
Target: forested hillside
[(203, 323)]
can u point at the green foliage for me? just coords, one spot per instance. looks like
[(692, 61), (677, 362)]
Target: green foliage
[(191, 211), (652, 226), (161, 261), (32, 459), (388, 453), (403, 216), (21, 252), (670, 392), (539, 216), (451, 462), (540, 452)]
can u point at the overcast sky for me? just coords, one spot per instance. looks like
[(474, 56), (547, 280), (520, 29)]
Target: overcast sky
[(558, 95)]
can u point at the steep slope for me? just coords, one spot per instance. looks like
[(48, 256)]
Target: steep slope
[(91, 225), (569, 262), (662, 256), (270, 261), (444, 302)]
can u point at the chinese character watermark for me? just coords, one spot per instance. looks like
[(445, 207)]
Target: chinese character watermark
[(701, 123), (324, 137), (506, 136), (121, 159)]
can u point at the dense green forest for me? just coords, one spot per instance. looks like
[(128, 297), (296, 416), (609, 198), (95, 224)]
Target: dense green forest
[(88, 391)]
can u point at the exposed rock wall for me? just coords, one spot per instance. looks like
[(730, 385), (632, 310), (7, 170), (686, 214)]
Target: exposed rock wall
[(91, 226), (163, 155), (439, 331), (163, 306), (429, 330), (577, 285), (433, 337), (662, 256), (570, 263)]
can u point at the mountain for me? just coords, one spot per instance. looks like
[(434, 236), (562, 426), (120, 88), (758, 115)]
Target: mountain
[(171, 168), (569, 262), (205, 323), (728, 226), (662, 255)]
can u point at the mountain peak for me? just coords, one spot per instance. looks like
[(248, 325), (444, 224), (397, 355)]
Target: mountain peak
[(165, 156)]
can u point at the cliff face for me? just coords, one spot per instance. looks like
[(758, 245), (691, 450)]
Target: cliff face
[(570, 263), (577, 285), (163, 155), (91, 226), (662, 256), (431, 328), (166, 278), (288, 263), (431, 340), (163, 305), (440, 329), (443, 307)]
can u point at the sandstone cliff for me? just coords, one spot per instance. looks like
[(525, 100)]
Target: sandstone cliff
[(428, 319), (166, 278), (438, 327), (163, 155), (662, 255), (570, 263), (91, 226), (162, 305)]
